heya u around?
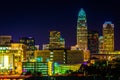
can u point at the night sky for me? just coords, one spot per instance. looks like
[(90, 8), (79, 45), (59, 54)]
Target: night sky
[(37, 18)]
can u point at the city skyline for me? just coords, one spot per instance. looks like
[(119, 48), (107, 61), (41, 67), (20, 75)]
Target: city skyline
[(38, 19)]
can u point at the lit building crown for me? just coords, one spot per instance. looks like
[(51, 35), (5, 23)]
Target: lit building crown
[(81, 12), (108, 24), (81, 15)]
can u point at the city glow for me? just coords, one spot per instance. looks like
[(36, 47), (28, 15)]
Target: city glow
[(92, 55)]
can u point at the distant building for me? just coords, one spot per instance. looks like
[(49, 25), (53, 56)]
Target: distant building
[(56, 41), (29, 41), (45, 47), (108, 35), (93, 42), (109, 57), (37, 47), (75, 47), (5, 40), (101, 45)]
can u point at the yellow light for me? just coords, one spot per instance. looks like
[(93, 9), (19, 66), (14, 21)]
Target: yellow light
[(6, 62), (19, 67), (49, 68)]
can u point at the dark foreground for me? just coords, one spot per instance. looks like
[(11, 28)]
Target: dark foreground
[(74, 78)]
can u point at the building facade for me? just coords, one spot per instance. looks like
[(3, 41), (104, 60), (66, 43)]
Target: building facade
[(61, 56), (45, 68), (5, 40), (12, 56), (82, 31), (45, 46), (93, 42), (29, 42), (56, 41), (108, 35), (101, 45)]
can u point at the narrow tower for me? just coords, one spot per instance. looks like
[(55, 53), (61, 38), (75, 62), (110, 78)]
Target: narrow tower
[(82, 32)]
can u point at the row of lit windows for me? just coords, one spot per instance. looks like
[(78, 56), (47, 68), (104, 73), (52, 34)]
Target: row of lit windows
[(44, 71), (32, 64), (4, 48)]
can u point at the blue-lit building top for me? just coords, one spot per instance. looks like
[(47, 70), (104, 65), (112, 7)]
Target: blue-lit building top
[(81, 15), (108, 22)]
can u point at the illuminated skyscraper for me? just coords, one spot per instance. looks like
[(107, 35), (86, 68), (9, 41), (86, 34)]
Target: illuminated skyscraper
[(82, 33), (108, 35), (93, 42), (56, 41)]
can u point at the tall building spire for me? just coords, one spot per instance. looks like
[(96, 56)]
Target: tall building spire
[(82, 32)]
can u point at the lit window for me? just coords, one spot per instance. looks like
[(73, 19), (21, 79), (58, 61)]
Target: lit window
[(51, 52), (51, 55)]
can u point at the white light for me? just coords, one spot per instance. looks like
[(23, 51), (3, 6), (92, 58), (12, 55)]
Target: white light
[(6, 62)]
